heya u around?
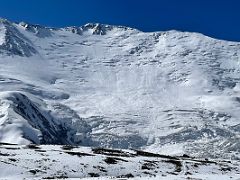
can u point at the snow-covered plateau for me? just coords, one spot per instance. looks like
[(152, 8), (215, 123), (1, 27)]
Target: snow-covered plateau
[(104, 86)]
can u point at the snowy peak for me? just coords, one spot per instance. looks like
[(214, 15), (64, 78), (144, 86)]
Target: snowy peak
[(38, 30), (101, 29), (12, 42), (14, 39), (96, 29)]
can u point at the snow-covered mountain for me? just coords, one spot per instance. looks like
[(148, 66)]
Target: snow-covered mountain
[(116, 87)]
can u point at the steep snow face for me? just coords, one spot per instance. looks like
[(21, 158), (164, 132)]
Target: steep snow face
[(12, 42), (2, 33), (14, 127), (24, 121), (112, 86)]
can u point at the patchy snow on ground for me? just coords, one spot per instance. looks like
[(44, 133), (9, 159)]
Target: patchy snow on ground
[(63, 162)]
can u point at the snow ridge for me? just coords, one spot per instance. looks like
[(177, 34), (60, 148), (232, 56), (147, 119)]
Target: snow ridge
[(13, 42)]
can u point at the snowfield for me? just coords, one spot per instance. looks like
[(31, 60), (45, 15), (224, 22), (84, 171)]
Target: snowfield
[(106, 86)]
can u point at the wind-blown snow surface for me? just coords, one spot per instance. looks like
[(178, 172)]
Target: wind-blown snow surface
[(111, 86)]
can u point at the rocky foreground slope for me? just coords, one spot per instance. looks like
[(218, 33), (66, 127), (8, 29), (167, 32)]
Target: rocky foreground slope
[(68, 162)]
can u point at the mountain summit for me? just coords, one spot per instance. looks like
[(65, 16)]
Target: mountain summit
[(112, 86)]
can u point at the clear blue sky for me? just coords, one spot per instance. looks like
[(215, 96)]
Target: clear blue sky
[(216, 18)]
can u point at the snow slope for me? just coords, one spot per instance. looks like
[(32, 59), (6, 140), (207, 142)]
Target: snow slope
[(112, 86)]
